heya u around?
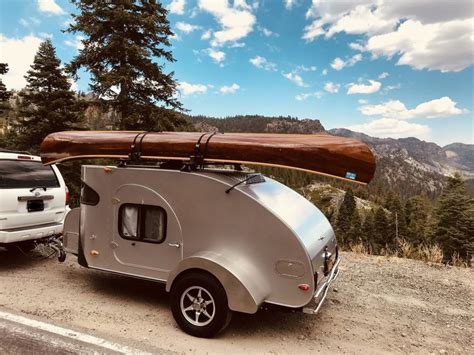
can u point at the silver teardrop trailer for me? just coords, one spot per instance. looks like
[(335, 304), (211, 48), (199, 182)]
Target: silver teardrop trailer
[(221, 240)]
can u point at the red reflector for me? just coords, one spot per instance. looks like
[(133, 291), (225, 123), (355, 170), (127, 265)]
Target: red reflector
[(67, 196), (303, 287), (24, 157)]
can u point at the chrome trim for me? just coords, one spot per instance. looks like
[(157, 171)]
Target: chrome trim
[(323, 290), (176, 245)]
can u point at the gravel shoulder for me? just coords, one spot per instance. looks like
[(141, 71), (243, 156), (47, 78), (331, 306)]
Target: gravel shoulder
[(379, 305)]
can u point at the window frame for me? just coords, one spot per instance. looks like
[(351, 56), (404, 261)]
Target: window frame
[(86, 193), (140, 222)]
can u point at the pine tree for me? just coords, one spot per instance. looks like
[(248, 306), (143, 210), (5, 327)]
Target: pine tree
[(397, 222), (417, 210), (354, 235), (4, 97), (368, 231), (4, 93), (345, 216), (381, 227), (48, 105), (454, 215), (125, 48)]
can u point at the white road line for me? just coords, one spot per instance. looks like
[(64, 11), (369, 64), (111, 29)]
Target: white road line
[(68, 333)]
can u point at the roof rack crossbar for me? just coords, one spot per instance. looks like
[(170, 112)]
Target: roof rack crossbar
[(3, 150)]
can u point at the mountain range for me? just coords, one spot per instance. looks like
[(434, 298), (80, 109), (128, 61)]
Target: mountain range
[(407, 165)]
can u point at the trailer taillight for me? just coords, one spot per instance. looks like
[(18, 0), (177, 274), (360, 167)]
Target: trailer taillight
[(67, 196), (303, 287)]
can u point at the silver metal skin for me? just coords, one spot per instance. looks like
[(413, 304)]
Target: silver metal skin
[(261, 241)]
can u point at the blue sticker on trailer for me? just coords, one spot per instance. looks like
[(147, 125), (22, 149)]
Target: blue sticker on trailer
[(351, 175)]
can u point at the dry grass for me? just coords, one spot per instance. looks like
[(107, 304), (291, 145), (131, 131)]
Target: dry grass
[(428, 253), (359, 248)]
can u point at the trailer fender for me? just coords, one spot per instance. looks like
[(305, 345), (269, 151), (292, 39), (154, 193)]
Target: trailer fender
[(71, 231), (245, 287)]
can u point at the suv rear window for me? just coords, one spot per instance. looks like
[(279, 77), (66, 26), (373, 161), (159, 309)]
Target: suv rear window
[(18, 174)]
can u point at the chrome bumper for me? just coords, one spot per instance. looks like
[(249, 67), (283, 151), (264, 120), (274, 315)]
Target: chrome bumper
[(320, 295)]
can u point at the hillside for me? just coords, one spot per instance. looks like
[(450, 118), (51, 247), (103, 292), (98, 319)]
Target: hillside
[(408, 166)]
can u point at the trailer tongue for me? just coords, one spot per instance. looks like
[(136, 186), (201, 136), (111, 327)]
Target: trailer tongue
[(323, 154)]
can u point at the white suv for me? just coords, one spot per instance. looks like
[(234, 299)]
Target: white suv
[(33, 200)]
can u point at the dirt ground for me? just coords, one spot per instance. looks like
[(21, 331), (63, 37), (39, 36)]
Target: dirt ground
[(379, 305)]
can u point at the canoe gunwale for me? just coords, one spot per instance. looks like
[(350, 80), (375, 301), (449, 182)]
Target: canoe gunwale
[(205, 161)]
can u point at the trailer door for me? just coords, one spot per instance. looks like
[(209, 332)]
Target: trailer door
[(147, 240)]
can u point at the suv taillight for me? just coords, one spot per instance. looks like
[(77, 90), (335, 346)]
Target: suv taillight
[(67, 196)]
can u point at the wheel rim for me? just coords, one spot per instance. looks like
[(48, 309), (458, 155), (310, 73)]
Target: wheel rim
[(197, 306)]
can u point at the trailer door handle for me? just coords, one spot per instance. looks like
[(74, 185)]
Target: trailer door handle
[(176, 245)]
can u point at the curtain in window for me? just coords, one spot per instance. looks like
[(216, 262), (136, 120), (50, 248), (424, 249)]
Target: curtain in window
[(130, 221)]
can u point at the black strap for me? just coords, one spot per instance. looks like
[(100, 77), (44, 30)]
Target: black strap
[(136, 148), (197, 159)]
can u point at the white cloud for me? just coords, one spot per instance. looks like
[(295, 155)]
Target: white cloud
[(263, 63), (76, 42), (303, 68), (50, 6), (357, 46), (440, 46), (74, 86), (45, 35), (295, 78), (325, 72), (338, 63), (392, 87), (289, 4), (177, 7), (383, 75), (363, 101), (237, 45), (217, 56), (331, 87), (186, 27), (389, 127), (189, 89), (29, 21), (266, 32), (19, 55), (393, 115), (360, 20), (373, 86), (424, 34), (442, 107), (236, 21), (302, 97), (232, 89), (206, 35)]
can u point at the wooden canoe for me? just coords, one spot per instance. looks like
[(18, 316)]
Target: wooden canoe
[(323, 154)]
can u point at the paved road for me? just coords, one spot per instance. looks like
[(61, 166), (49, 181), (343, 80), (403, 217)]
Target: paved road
[(21, 335)]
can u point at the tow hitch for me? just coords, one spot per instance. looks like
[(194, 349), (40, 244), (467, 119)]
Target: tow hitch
[(55, 243)]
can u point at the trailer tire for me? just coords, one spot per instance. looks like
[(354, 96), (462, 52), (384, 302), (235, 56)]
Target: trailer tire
[(199, 305)]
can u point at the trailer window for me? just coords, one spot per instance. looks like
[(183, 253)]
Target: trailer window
[(88, 195), (142, 222)]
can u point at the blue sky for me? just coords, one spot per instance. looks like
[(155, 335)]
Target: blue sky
[(385, 68)]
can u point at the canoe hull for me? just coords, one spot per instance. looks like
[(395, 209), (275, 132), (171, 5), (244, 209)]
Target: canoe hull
[(322, 154)]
